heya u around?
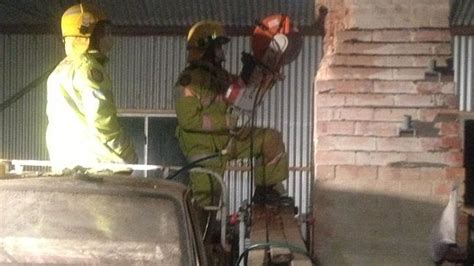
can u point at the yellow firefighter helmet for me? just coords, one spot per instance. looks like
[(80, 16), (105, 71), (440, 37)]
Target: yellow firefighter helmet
[(79, 20), (202, 35)]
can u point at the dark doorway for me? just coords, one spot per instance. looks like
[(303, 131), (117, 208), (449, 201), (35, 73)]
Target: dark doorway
[(155, 143)]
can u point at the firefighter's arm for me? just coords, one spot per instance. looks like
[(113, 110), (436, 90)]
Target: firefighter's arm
[(100, 112), (192, 112)]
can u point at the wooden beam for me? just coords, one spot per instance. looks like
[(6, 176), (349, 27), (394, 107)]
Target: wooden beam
[(134, 30), (293, 234), (465, 30), (276, 234), (258, 234), (38, 29)]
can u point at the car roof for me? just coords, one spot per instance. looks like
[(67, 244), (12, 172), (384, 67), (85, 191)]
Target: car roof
[(97, 184)]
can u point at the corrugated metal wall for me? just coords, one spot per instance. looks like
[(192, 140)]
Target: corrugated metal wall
[(22, 126), (143, 71), (464, 71), (462, 13), (162, 13)]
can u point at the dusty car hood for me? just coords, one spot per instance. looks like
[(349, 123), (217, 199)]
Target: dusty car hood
[(108, 220)]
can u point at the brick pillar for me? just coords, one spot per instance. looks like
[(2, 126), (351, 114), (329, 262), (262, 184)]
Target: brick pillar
[(379, 187)]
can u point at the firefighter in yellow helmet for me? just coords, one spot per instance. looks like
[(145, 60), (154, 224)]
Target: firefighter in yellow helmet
[(205, 125), (83, 128)]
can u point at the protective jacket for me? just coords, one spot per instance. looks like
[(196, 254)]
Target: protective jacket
[(201, 111), (83, 126)]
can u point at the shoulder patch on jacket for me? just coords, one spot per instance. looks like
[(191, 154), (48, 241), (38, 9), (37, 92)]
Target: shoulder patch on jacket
[(96, 75)]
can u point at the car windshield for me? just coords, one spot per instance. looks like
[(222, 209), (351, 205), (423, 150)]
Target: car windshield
[(72, 227)]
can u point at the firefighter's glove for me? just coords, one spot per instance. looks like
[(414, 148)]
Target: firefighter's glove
[(249, 62)]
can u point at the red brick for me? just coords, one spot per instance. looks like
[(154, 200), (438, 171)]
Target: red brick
[(415, 101), (420, 61), (356, 172), (370, 100), (378, 129), (323, 72), (374, 61), (432, 144), (371, 6), (391, 36), (455, 158), (436, 158), (330, 100), (342, 86), (441, 48), (335, 128), (448, 88), (437, 14), (345, 143), (325, 172), (431, 36), (335, 157), (395, 115), (425, 60), (455, 174), (341, 73), (446, 100), (358, 114), (433, 173), (397, 15), (399, 144), (440, 144), (428, 87), (442, 189), (423, 4), (354, 35), (454, 143), (449, 128), (394, 87), (379, 158), (429, 115), (396, 173), (408, 73), (324, 114), (391, 48)]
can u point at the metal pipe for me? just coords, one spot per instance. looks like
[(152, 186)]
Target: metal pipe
[(222, 204), (241, 235)]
